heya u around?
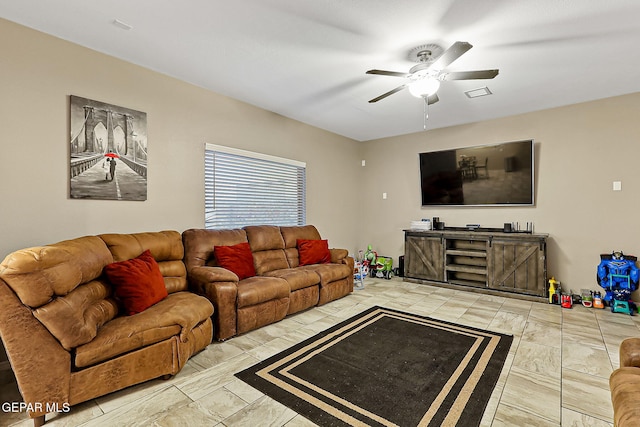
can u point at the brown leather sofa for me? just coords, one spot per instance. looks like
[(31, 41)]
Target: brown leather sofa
[(281, 285), (624, 384), (61, 329)]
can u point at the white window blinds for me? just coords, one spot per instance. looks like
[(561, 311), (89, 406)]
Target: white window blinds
[(245, 188)]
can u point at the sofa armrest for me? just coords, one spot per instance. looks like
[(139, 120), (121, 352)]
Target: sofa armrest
[(41, 366), (211, 274), (338, 255), (341, 256), (630, 352), (220, 286)]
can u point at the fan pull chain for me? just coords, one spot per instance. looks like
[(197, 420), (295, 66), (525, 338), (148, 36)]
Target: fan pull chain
[(426, 112)]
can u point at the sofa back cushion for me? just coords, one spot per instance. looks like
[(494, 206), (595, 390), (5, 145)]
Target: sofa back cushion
[(199, 245), (40, 274), (166, 248), (291, 235), (267, 246), (62, 283)]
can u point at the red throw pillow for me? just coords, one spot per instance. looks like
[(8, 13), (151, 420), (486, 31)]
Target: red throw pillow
[(313, 251), (138, 282), (237, 258)]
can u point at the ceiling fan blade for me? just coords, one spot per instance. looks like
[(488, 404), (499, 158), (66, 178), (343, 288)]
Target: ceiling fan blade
[(454, 52), (388, 73), (469, 75), (432, 99), (391, 92)]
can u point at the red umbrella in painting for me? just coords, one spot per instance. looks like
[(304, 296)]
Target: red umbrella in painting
[(112, 155)]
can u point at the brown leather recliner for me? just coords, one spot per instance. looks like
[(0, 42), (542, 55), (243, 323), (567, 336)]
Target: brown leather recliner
[(624, 384), (281, 286), (60, 325)]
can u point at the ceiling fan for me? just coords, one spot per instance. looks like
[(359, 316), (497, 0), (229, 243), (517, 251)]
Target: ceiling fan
[(424, 78)]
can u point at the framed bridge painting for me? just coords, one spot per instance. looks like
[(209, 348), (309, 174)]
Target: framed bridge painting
[(108, 151)]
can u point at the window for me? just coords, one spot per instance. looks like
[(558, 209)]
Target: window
[(244, 188)]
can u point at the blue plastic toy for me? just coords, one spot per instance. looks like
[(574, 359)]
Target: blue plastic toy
[(618, 275)]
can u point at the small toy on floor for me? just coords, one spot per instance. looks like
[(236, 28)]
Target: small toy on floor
[(360, 270), (382, 268), (555, 291), (566, 301), (587, 298), (597, 300), (622, 303)]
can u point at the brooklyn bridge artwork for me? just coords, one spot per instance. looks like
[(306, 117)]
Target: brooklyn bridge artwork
[(108, 147)]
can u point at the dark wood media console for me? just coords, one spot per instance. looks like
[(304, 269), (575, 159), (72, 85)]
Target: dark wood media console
[(483, 259)]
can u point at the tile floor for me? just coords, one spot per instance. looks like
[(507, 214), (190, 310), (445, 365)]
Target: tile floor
[(556, 373)]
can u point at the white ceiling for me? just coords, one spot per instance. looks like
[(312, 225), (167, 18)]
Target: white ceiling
[(306, 59)]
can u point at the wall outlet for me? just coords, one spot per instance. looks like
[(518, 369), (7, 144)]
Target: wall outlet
[(364, 163), (617, 185), (384, 196)]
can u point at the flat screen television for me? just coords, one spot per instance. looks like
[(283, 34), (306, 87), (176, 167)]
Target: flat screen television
[(488, 175)]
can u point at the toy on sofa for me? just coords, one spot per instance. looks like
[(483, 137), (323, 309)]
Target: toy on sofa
[(618, 275)]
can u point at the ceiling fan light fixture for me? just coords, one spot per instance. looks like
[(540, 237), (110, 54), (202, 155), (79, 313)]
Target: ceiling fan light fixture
[(423, 88), (425, 77)]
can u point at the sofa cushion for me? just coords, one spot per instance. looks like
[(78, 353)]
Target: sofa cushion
[(330, 272), (175, 275), (177, 314), (313, 252), (267, 247), (259, 289), (237, 258), (624, 384), (200, 243), (292, 234), (40, 274), (164, 245), (264, 237), (630, 352), (297, 278), (74, 319), (266, 261), (166, 248), (138, 282)]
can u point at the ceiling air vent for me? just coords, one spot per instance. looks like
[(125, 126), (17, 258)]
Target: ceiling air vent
[(475, 93)]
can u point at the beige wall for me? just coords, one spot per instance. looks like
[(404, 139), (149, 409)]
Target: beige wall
[(39, 72), (580, 150)]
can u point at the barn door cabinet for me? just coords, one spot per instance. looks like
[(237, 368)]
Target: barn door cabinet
[(481, 259)]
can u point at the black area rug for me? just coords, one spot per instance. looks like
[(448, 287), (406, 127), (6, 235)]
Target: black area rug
[(387, 368)]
